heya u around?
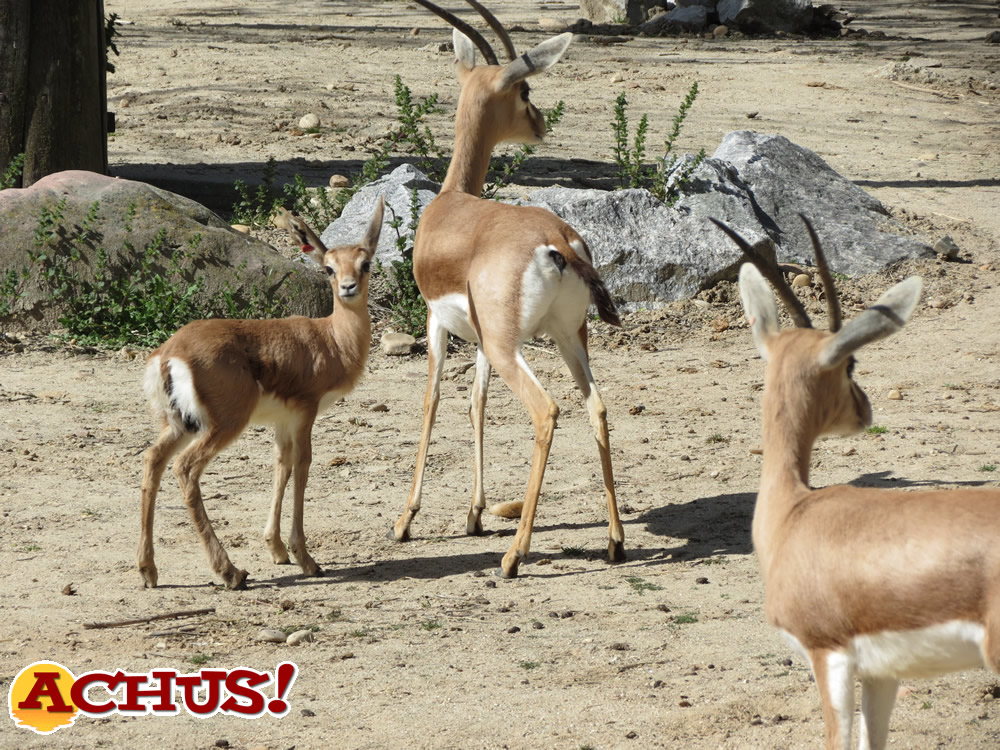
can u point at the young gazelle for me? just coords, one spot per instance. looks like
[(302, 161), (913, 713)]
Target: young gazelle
[(497, 275), (214, 377), (869, 583)]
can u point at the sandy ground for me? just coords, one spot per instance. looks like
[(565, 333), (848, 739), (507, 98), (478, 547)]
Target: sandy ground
[(419, 645)]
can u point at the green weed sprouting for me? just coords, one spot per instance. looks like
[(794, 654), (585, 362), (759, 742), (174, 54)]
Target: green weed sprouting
[(502, 171), (664, 178), (12, 174), (407, 308)]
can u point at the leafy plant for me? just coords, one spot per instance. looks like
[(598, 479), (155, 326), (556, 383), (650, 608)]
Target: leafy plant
[(988, 467), (877, 429), (12, 174), (685, 619), (430, 625), (641, 586), (502, 171), (407, 308), (666, 177)]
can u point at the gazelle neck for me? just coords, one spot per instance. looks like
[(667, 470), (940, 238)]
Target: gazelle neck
[(788, 439), (470, 159), (350, 326)]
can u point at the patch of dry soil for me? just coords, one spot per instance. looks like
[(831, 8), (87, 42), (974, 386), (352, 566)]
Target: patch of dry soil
[(418, 645)]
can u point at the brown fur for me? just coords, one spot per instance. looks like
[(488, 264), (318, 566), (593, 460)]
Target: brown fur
[(296, 363)]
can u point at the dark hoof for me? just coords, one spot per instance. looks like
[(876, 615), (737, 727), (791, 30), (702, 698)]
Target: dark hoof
[(500, 574), (318, 573), (239, 583), (391, 536), (616, 552)]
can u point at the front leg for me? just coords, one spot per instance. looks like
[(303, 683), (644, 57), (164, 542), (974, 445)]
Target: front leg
[(437, 350), (283, 459), (303, 459)]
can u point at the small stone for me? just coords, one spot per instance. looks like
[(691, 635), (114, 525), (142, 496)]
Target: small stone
[(241, 228), (308, 713), (271, 635), (895, 395), (379, 407), (993, 37), (415, 31), (552, 24), (68, 590), (513, 629), (617, 78), (802, 279), (720, 324), (222, 743), (308, 121), (720, 31), (701, 580), (849, 451), (947, 247), (537, 625), (300, 636), (684, 703), (339, 181), (397, 344), (937, 304)]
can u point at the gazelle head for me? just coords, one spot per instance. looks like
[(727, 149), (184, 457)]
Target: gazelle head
[(498, 95), (348, 266), (809, 372)]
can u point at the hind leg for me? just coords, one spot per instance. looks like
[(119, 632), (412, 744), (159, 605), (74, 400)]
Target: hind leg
[(477, 411), (188, 468), (302, 452), (574, 352), (878, 696), (834, 673), (154, 464)]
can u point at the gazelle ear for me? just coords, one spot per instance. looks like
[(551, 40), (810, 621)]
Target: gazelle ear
[(535, 61), (465, 50), (759, 306), (370, 241), (886, 316)]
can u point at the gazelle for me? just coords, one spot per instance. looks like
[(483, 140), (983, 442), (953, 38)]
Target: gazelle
[(214, 377), (869, 583), (497, 275)]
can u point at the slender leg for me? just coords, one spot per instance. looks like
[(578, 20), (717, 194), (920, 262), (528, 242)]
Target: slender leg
[(437, 350), (574, 352), (878, 696), (155, 463), (477, 410), (282, 471), (300, 475), (188, 468), (544, 413), (834, 675)]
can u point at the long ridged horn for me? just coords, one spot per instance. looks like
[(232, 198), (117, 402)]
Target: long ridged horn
[(458, 23), (832, 302), (770, 271), (497, 27)]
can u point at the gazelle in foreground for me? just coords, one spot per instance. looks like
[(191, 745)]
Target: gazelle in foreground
[(868, 583), (497, 275), (214, 377)]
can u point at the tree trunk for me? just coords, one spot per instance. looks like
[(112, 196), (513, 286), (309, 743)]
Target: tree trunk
[(54, 99)]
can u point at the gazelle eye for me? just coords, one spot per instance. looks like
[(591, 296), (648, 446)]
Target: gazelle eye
[(366, 267), (525, 90), (330, 271), (850, 366)]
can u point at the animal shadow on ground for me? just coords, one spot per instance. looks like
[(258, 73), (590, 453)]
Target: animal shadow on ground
[(707, 526), (885, 479)]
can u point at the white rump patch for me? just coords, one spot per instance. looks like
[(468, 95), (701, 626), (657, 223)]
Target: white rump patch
[(936, 650), (180, 406), (452, 313), (551, 300)]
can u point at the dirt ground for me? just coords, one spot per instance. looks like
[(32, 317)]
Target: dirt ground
[(418, 645)]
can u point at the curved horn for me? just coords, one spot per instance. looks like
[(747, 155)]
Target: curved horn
[(832, 303), (497, 27), (458, 23), (795, 308)]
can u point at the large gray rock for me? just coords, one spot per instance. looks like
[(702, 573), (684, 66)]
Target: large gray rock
[(857, 233), (633, 12), (649, 253), (767, 16), (690, 18), (397, 187), (223, 259)]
